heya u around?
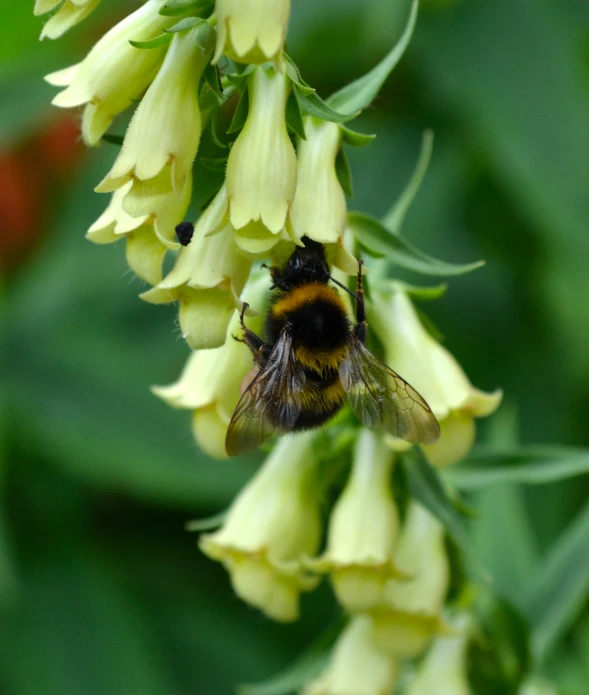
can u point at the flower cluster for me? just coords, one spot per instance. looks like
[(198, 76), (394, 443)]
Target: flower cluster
[(285, 178)]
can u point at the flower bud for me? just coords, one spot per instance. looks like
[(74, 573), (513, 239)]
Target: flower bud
[(114, 74), (411, 611), (273, 524), (412, 352), (206, 280), (357, 666), (251, 31), (363, 528), (444, 667), (319, 206), (70, 13), (262, 164), (165, 129)]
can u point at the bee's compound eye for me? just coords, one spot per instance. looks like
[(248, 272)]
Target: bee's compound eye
[(295, 262)]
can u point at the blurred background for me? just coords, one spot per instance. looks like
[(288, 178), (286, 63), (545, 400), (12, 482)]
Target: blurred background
[(101, 589)]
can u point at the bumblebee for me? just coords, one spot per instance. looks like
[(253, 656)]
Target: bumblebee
[(313, 359)]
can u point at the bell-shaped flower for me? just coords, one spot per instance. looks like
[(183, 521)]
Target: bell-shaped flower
[(114, 74), (252, 31), (206, 280), (165, 130), (444, 667), (211, 380), (357, 666), (262, 165), (148, 233), (70, 13), (410, 614), (412, 352), (363, 528), (271, 527), (319, 206)]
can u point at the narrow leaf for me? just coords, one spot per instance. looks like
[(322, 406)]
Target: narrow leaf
[(161, 40), (352, 137), (379, 241), (176, 8), (395, 217), (314, 105), (558, 590), (208, 523), (293, 72), (214, 163), (294, 117), (211, 75), (529, 466), (359, 94), (186, 23), (344, 173)]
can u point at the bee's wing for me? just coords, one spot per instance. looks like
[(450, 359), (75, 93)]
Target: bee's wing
[(380, 397), (272, 401)]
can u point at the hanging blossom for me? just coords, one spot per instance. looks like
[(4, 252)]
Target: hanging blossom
[(271, 528), (357, 666), (363, 528), (426, 364), (251, 32), (70, 13), (114, 74)]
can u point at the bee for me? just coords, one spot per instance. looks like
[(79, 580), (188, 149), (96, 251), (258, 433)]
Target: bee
[(313, 359)]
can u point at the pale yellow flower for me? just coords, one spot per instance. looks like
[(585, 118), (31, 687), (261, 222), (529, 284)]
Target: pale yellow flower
[(319, 206), (357, 665), (412, 607), (272, 526), (207, 279), (363, 528), (114, 74), (412, 352), (209, 385), (148, 235), (164, 132), (251, 31), (444, 667), (262, 164), (69, 14)]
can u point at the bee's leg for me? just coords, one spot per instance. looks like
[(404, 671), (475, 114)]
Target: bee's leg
[(258, 348), (361, 325)]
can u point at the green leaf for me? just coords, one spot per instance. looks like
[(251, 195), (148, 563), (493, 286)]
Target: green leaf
[(314, 105), (356, 96), (529, 466), (240, 114), (208, 523), (558, 590), (378, 240), (344, 173), (175, 8), (294, 117), (161, 40), (186, 23), (395, 217), (427, 488), (498, 656), (293, 72), (308, 665), (352, 137)]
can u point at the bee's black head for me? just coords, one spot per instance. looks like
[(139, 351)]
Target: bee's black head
[(307, 264)]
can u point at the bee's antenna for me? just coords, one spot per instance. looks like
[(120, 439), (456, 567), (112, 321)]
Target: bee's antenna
[(277, 284), (339, 284)]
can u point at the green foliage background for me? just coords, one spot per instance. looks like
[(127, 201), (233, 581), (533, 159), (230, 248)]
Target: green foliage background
[(101, 590)]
